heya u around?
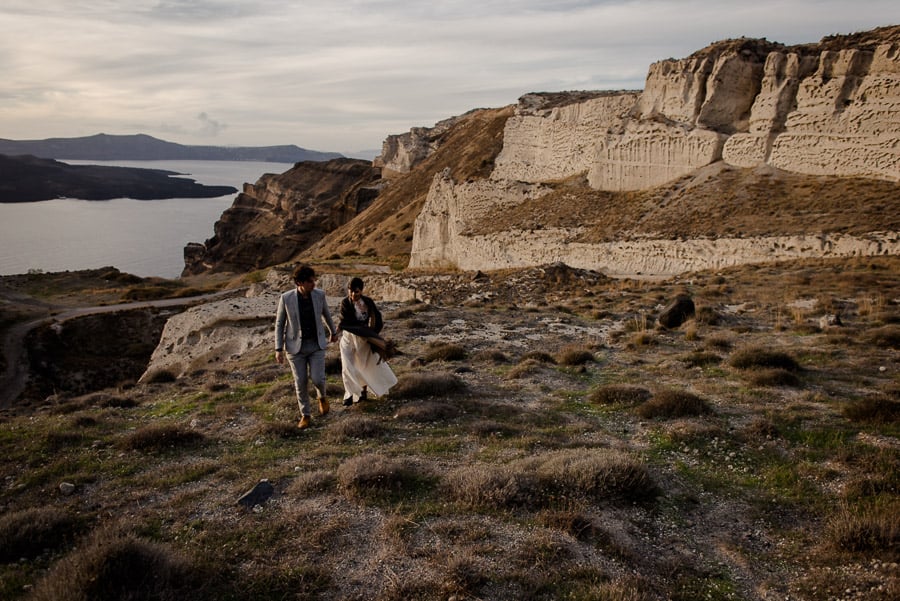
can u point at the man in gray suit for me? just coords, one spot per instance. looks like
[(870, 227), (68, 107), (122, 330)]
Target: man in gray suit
[(300, 334)]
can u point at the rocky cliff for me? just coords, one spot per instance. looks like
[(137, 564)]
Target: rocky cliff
[(282, 214), (777, 119)]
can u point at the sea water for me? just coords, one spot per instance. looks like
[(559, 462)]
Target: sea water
[(142, 237)]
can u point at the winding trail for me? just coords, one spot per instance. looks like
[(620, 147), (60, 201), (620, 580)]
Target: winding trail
[(14, 378)]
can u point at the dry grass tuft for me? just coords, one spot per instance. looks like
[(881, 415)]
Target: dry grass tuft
[(758, 357), (161, 438), (492, 356), (673, 403), (30, 532), (444, 351), (420, 385), (773, 377), (524, 369), (874, 409), (614, 394), (114, 567), (872, 528), (575, 355), (596, 474), (373, 476), (538, 356), (314, 482), (702, 359), (355, 427)]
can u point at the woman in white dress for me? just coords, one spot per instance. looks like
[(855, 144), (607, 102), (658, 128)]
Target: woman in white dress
[(364, 352)]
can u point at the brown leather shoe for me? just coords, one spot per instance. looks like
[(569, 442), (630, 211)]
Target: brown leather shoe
[(303, 423), (324, 407)]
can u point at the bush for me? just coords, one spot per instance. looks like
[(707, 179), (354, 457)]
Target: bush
[(673, 403), (757, 357), (493, 356), (29, 532), (614, 394)]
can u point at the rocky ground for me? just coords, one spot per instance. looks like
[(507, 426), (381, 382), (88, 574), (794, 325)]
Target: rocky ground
[(547, 440)]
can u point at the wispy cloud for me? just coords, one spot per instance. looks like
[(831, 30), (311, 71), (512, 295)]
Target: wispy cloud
[(342, 76)]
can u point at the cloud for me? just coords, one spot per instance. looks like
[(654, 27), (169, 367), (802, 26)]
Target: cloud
[(343, 75)]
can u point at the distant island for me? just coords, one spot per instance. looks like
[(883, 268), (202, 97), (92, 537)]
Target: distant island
[(141, 147), (29, 179)]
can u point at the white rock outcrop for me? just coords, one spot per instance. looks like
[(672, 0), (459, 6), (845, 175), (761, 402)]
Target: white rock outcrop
[(749, 103)]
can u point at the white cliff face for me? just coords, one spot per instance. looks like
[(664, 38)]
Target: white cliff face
[(827, 113), (541, 145)]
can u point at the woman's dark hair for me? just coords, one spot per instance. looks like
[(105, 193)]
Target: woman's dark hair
[(355, 284), (303, 273)]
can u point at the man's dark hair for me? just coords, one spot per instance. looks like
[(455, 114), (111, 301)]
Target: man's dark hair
[(303, 273), (356, 284)]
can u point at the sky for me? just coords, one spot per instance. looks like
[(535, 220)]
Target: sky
[(342, 75)]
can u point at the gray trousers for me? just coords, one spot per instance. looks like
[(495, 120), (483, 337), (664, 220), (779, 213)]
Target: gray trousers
[(308, 364)]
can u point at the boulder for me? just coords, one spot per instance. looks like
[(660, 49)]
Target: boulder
[(677, 312)]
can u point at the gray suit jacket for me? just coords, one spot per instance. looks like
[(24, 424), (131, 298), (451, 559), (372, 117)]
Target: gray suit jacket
[(287, 321)]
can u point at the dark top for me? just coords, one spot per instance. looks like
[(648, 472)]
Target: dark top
[(350, 322), (307, 317)]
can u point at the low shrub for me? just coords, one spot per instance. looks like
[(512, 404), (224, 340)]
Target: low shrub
[(758, 357), (615, 394), (673, 403)]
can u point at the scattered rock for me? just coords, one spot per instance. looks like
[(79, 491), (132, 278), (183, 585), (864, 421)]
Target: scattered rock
[(257, 495), (66, 488)]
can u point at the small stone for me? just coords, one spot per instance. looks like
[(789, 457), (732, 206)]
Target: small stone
[(257, 495), (66, 488)]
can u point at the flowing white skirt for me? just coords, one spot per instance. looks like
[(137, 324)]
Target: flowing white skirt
[(361, 367)]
